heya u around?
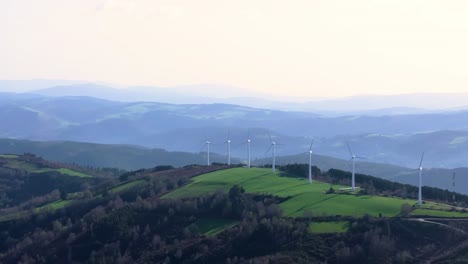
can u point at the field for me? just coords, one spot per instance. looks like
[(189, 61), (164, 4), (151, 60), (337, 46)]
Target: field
[(55, 205), (303, 197), (329, 227), (31, 168), (8, 156), (213, 226), (126, 185)]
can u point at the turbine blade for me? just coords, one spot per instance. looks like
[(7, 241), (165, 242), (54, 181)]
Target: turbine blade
[(204, 147), (268, 150), (422, 158), (349, 148), (311, 144), (271, 140), (361, 158)]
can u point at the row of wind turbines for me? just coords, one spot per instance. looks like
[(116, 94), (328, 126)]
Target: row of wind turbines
[(272, 148)]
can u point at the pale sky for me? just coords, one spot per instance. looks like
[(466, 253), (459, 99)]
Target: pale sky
[(297, 48)]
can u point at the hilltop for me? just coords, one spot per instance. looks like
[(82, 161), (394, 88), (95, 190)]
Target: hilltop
[(176, 214), (27, 180)]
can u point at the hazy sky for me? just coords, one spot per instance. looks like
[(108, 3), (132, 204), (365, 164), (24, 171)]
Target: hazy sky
[(298, 47)]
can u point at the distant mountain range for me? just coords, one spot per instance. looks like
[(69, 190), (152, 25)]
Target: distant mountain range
[(373, 105), (398, 139)]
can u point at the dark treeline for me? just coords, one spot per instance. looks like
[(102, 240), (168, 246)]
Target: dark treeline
[(153, 230)]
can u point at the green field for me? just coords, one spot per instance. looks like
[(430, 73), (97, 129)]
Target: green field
[(21, 165), (213, 226), (59, 204), (8, 156), (303, 196), (329, 227), (126, 185)]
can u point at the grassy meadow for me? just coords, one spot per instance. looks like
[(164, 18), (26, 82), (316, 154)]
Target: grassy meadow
[(32, 168), (304, 198)]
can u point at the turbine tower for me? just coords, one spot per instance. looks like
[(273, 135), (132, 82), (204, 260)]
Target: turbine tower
[(248, 141), (228, 142), (248, 150), (353, 157), (420, 180), (273, 148), (310, 160), (207, 146)]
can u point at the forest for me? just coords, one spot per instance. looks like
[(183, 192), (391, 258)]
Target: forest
[(137, 225)]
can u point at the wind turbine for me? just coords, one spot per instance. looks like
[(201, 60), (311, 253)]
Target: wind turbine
[(247, 141), (248, 149), (353, 157), (228, 142), (310, 160), (207, 146), (420, 180), (273, 148)]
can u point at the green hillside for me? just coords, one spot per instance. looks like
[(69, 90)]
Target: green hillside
[(125, 157), (303, 198)]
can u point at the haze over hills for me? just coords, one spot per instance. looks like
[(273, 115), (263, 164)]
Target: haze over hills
[(209, 93), (415, 103), (398, 139)]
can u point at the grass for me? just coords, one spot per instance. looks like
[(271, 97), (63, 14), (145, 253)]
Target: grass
[(438, 213), (303, 197), (12, 216), (214, 226), (329, 227), (59, 204), (17, 164), (8, 156), (126, 185)]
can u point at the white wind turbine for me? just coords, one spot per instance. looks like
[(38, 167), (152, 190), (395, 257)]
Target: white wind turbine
[(248, 149), (273, 148), (353, 157), (420, 180), (228, 142), (207, 146), (247, 142), (310, 160)]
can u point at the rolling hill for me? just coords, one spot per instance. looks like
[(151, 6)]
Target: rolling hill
[(124, 157), (203, 213), (397, 139), (134, 157), (302, 197)]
